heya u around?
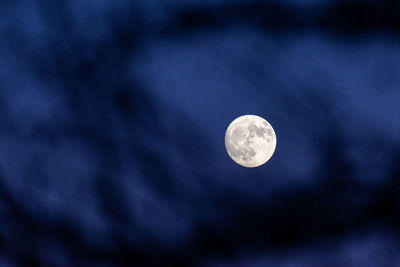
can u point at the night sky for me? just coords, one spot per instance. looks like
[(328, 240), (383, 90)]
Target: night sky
[(112, 124)]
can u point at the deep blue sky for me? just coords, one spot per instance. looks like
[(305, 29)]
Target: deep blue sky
[(112, 122)]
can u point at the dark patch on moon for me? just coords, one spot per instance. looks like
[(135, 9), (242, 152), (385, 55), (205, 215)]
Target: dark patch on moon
[(248, 154), (260, 131), (238, 134), (252, 129)]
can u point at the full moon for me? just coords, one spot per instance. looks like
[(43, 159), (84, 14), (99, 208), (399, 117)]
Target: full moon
[(250, 141)]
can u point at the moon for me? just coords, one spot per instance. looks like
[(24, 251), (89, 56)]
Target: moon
[(250, 141)]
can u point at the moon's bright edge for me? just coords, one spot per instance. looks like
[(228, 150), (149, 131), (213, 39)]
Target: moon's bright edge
[(250, 141)]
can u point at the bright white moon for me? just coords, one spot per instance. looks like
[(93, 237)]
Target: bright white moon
[(250, 141)]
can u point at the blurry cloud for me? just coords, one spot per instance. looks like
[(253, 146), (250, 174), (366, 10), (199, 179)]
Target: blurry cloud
[(367, 249)]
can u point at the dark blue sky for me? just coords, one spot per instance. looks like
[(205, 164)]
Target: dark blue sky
[(112, 123)]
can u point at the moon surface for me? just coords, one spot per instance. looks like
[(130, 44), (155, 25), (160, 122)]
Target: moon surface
[(250, 141)]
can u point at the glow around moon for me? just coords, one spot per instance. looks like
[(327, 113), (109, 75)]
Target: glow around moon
[(250, 141)]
